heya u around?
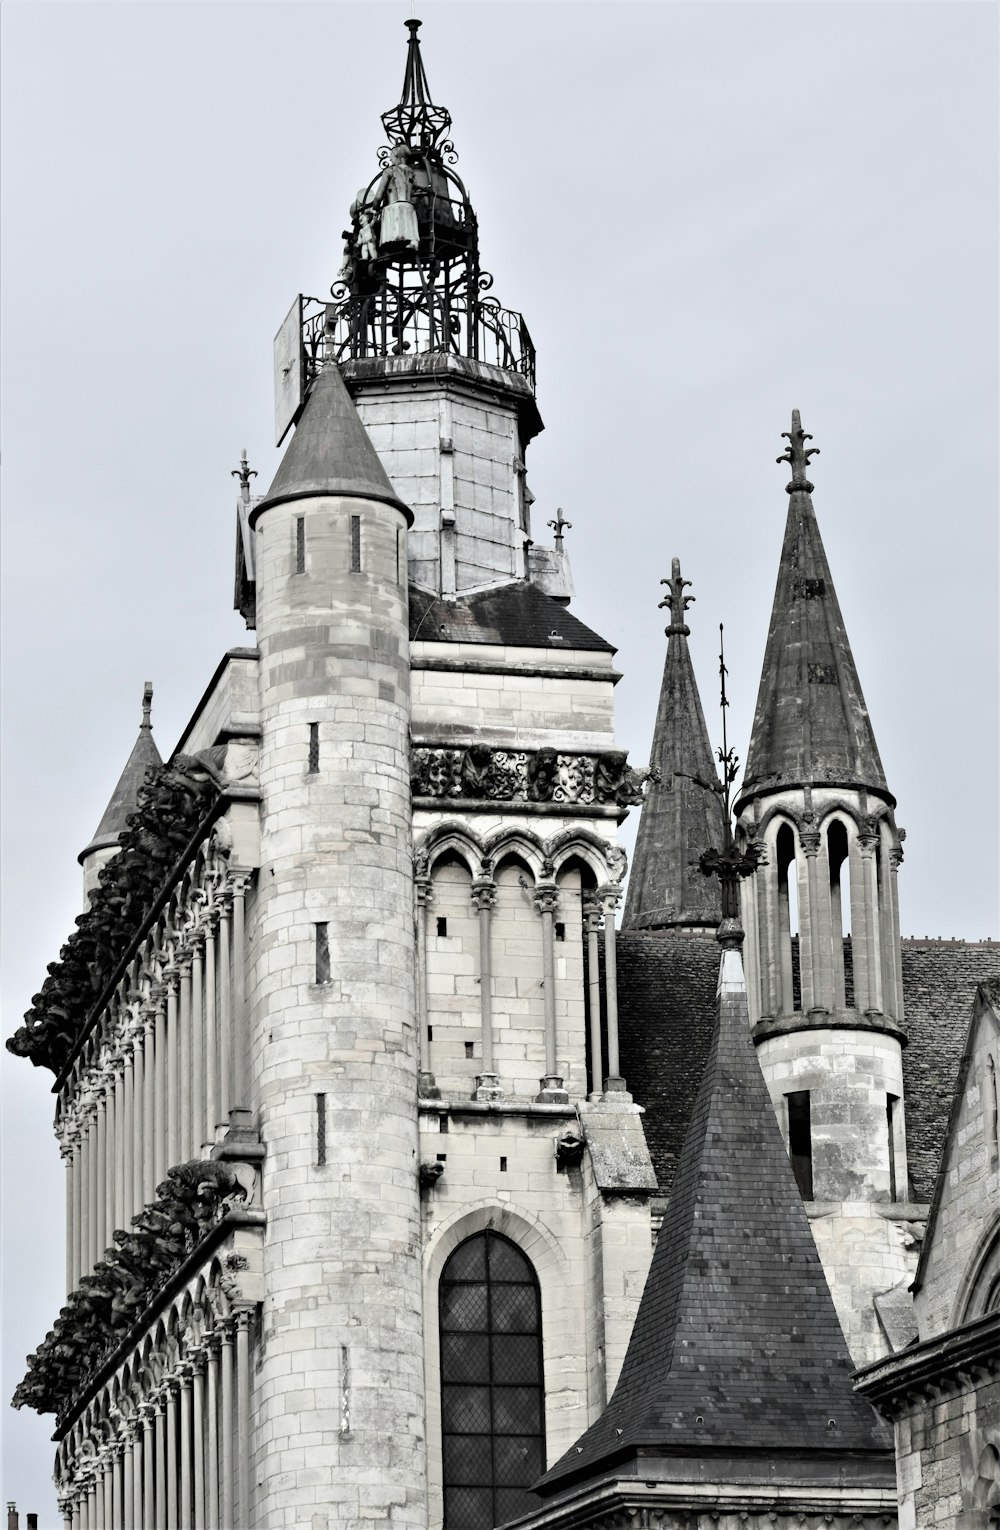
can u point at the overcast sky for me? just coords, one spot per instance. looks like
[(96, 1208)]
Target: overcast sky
[(708, 213)]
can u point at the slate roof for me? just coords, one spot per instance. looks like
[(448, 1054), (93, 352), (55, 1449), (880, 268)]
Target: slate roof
[(736, 1345), (811, 724), (125, 797), (939, 984), (516, 615), (330, 452), (666, 989), (679, 818)]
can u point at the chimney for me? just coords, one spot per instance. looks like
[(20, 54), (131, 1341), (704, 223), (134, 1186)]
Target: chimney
[(31, 1520), (12, 1519)]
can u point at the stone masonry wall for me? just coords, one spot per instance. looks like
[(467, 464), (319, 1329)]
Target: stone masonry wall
[(864, 1245), (453, 458), (338, 1407), (946, 1455)]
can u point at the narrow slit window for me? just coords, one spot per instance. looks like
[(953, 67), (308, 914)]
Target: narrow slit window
[(399, 556), (891, 1105), (503, 1166), (300, 544), (321, 1128), (355, 544), (992, 1109), (560, 931), (322, 953), (442, 925), (800, 1141), (313, 748), (468, 1049)]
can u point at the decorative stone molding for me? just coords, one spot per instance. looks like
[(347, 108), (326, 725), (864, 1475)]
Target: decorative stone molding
[(480, 772)]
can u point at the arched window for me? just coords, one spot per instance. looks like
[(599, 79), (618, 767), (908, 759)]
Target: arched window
[(492, 1393), (788, 922), (840, 905)]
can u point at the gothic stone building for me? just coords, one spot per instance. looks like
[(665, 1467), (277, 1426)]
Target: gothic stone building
[(368, 1109)]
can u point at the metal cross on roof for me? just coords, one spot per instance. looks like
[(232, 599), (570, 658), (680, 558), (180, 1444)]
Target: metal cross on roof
[(798, 454)]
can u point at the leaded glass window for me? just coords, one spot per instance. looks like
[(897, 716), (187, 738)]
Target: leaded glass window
[(492, 1392)]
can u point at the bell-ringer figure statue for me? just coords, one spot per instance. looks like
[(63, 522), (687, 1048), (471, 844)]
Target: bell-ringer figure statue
[(399, 218)]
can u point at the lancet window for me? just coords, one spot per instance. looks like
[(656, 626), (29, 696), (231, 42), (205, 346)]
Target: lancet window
[(492, 1386), (788, 924), (838, 858)]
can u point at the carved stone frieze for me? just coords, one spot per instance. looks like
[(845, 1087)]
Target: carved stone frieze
[(479, 772)]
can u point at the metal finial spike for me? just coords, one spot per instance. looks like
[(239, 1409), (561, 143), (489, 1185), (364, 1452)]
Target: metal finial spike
[(676, 601), (798, 454), (244, 473), (147, 707), (559, 525), (415, 121)]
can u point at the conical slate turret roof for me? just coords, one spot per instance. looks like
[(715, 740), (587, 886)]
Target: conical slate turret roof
[(811, 724), (682, 813), (330, 453), (736, 1346), (125, 797)]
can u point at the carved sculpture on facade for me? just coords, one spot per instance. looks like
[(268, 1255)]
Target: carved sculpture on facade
[(193, 1199), (479, 772)]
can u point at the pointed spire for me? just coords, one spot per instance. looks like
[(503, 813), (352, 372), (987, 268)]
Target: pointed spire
[(736, 1347), (330, 453), (125, 797), (415, 120), (680, 817), (811, 725)]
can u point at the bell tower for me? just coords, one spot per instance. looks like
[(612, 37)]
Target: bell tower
[(822, 911)]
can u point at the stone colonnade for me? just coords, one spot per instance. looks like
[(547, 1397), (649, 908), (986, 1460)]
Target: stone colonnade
[(165, 1443), (166, 1062)]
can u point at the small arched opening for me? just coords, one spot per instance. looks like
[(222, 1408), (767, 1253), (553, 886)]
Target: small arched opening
[(788, 921)]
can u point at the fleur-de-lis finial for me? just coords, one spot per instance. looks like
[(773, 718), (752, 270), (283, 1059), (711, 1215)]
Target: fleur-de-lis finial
[(244, 473), (559, 525), (676, 601), (798, 454)]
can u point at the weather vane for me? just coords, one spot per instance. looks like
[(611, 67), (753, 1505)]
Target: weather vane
[(798, 454)]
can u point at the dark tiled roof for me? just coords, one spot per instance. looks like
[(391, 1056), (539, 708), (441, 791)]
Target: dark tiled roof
[(939, 984), (515, 615), (736, 1344), (810, 723), (330, 452), (680, 818), (125, 797), (666, 995), (666, 1013)]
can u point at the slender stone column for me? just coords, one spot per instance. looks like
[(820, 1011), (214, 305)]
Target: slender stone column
[(866, 852), (146, 1516), (199, 1517), (90, 1231), (184, 1138), (138, 1453), (161, 1462), (83, 1229), (66, 1154), (128, 1480), (199, 1115), (173, 1076), (225, 1018), (212, 1411), (592, 925), (610, 898), (547, 903), (484, 896), (173, 1464), (212, 1115), (79, 1181), (228, 1399), (101, 1198), (765, 943), (241, 1039), (117, 1218), (427, 1084), (159, 1091), (810, 921), (128, 1138), (243, 1414), (186, 1484), (108, 1484), (895, 861), (138, 1115), (92, 1496)]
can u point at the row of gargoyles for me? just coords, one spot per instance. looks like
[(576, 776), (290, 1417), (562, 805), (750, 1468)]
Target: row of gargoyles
[(172, 803), (109, 1301)]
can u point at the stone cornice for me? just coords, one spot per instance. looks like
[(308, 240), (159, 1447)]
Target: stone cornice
[(941, 1364)]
